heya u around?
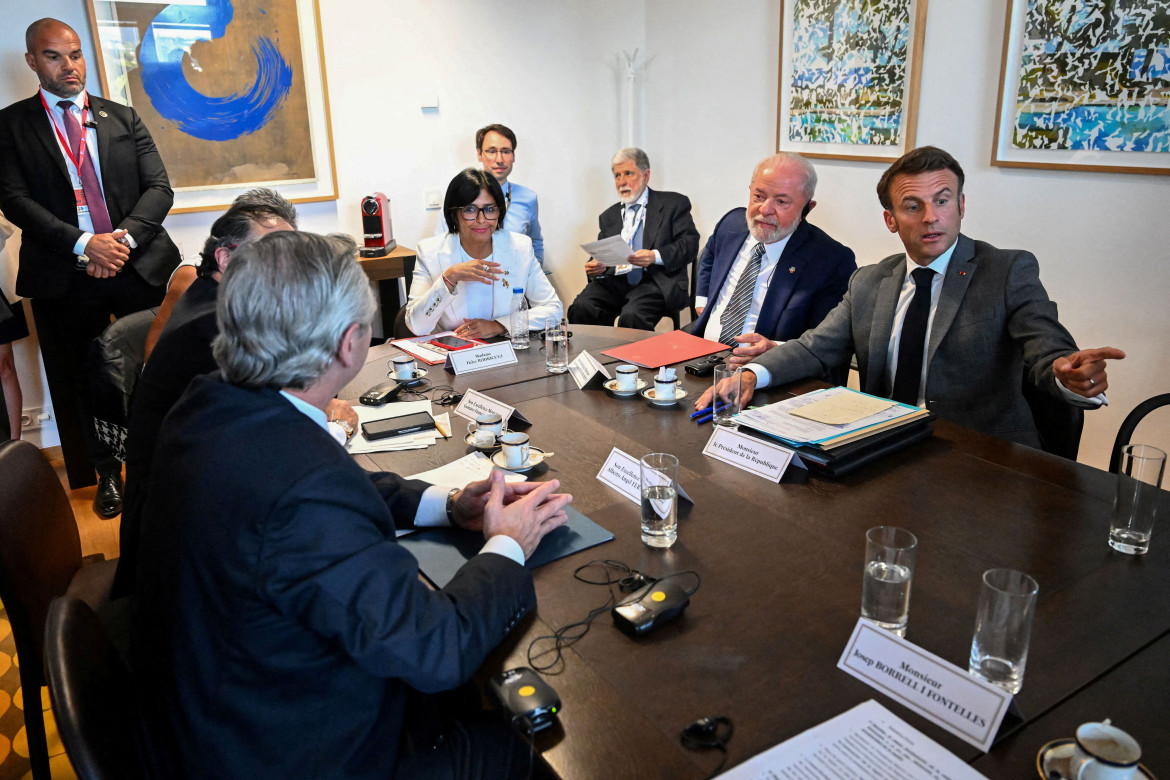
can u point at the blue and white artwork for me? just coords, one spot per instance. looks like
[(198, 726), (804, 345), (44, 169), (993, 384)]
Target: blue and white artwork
[(220, 84), (849, 71), (1094, 76)]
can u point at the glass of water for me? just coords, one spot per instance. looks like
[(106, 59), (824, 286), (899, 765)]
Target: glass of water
[(725, 403), (1003, 628), (885, 582), (1139, 483), (659, 499), (556, 346)]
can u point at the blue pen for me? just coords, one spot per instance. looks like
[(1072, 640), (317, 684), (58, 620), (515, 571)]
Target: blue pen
[(700, 412), (705, 418), (708, 410)]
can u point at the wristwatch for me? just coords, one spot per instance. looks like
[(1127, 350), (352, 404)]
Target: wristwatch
[(82, 261), (451, 505)]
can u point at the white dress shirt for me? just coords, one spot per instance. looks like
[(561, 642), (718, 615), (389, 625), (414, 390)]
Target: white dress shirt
[(432, 508), (768, 263)]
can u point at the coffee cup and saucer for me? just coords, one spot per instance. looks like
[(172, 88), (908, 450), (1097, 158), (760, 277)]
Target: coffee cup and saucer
[(1099, 751), (485, 431), (665, 393), (403, 369), (516, 454), (626, 383)]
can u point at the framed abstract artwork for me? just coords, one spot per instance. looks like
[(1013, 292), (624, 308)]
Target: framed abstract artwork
[(1085, 86), (232, 91), (849, 72)]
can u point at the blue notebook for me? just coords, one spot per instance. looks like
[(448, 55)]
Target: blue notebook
[(441, 551)]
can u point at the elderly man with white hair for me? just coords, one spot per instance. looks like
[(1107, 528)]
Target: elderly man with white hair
[(279, 625), (663, 243), (766, 274)]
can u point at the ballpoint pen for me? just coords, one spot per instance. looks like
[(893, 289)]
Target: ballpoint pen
[(701, 412)]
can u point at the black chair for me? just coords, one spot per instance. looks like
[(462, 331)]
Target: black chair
[(40, 559), (113, 365), (1130, 424), (401, 329), (92, 694), (1060, 424)]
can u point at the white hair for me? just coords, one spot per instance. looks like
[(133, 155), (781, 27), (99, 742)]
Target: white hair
[(634, 155), (781, 159), (284, 303)]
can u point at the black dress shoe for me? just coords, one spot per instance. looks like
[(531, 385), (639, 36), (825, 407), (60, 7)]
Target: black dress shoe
[(108, 501)]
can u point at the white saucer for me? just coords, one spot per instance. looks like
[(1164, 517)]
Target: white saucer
[(419, 373), (1052, 760), (469, 440), (679, 394), (611, 386), (535, 458)]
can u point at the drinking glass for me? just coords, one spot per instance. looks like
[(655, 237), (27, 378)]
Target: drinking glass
[(659, 499), (725, 402), (556, 346), (1139, 483), (1003, 628), (885, 581)]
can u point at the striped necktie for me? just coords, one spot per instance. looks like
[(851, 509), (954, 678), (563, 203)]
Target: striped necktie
[(735, 315)]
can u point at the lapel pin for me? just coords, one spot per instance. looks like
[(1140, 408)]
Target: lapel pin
[(791, 269), (103, 114), (962, 273)]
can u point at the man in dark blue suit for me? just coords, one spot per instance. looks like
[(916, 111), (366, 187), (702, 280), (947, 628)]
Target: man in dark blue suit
[(767, 275), (280, 626)]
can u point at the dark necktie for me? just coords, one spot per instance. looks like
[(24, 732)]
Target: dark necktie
[(635, 274), (912, 344), (735, 315), (98, 214)]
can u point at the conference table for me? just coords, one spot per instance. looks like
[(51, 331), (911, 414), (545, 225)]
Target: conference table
[(781, 581)]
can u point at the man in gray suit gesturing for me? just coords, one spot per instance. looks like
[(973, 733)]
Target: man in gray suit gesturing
[(953, 324)]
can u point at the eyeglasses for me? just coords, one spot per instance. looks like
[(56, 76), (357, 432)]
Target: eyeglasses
[(494, 152), (470, 213)]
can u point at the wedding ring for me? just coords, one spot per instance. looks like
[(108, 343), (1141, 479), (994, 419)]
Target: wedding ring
[(1092, 382), (484, 266)]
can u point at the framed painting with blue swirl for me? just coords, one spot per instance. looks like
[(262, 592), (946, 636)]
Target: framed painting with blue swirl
[(1085, 85), (233, 92), (849, 72)]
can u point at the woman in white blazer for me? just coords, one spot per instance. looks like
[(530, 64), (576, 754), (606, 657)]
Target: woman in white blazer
[(464, 279)]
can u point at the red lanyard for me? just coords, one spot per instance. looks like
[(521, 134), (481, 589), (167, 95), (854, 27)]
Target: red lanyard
[(64, 141)]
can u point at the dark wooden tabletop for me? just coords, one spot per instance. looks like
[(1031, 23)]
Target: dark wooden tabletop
[(781, 583)]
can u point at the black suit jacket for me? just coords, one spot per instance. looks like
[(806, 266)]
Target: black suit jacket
[(669, 229), (278, 622), (810, 278), (36, 195)]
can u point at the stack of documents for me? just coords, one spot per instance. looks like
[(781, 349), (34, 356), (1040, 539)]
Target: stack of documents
[(359, 444), (830, 418)]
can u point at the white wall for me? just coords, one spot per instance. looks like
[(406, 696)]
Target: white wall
[(707, 113), (1103, 240)]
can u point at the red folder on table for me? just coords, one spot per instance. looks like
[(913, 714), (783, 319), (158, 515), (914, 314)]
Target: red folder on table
[(665, 349)]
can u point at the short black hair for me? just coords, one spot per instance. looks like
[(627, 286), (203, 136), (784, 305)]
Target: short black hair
[(464, 189), (483, 131), (921, 160), (235, 226)]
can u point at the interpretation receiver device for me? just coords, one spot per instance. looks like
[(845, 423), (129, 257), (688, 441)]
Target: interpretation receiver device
[(657, 603), (526, 699), (378, 234)]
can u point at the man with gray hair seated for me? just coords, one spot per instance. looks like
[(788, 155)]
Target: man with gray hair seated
[(279, 625), (663, 243)]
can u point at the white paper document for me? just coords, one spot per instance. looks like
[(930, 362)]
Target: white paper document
[(612, 251), (867, 742), (460, 473), (359, 444)]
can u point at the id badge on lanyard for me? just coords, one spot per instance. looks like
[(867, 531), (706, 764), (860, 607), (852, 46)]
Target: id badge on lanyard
[(75, 169)]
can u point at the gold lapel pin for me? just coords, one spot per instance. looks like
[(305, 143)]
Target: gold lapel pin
[(103, 114)]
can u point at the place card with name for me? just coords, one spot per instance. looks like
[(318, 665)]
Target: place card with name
[(749, 453), (623, 473), (941, 692), (472, 359), (475, 403), (588, 372)]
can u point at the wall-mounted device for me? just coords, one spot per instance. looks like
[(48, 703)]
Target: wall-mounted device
[(378, 234)]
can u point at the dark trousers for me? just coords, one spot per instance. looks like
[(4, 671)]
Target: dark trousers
[(634, 306), (66, 326)]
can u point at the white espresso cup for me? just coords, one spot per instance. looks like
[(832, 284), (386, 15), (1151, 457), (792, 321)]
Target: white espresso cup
[(491, 424), (665, 390), (627, 377), (515, 446), (1104, 752), (403, 367)]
